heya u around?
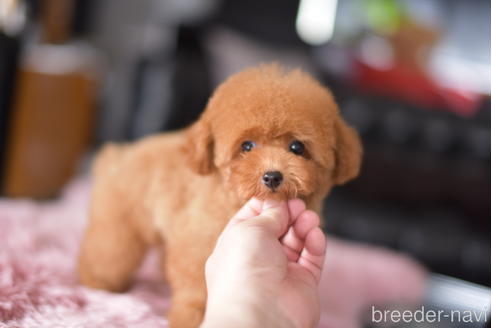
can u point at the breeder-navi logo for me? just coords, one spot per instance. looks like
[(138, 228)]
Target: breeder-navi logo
[(424, 315)]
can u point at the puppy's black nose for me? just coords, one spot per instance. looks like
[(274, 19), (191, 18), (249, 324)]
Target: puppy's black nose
[(272, 179)]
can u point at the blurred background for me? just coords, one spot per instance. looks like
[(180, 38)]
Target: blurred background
[(413, 77)]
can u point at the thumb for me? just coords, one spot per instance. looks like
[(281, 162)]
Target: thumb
[(274, 217)]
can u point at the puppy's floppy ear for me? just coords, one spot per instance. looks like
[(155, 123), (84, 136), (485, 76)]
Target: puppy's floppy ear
[(348, 153), (199, 148)]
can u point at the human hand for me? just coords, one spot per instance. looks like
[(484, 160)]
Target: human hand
[(265, 268)]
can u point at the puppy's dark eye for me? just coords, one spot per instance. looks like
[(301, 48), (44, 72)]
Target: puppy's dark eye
[(247, 145), (297, 147)]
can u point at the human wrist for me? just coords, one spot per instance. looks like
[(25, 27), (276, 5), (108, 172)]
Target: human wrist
[(232, 314), (226, 309), (243, 311)]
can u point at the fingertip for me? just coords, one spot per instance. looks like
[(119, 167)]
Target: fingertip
[(296, 207), (305, 222), (315, 242), (313, 255)]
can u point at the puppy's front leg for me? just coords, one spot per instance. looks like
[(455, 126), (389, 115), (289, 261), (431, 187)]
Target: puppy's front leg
[(185, 270), (111, 251)]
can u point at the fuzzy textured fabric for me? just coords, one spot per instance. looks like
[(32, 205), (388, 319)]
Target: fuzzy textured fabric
[(39, 244)]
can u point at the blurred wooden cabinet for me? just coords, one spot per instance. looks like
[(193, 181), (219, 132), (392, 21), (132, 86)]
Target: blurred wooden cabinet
[(53, 108), (52, 120)]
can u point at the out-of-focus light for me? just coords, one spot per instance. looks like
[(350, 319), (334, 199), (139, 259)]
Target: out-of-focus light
[(377, 52), (456, 72), (12, 16), (316, 20), (455, 294)]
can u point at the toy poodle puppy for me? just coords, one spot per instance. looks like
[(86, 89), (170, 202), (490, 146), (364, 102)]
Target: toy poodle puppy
[(266, 133)]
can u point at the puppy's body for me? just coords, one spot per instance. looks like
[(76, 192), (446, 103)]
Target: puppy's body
[(178, 190), (144, 196)]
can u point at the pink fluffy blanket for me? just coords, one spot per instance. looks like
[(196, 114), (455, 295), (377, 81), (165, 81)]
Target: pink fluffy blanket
[(38, 286)]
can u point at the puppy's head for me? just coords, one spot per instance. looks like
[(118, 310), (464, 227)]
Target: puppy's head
[(274, 134)]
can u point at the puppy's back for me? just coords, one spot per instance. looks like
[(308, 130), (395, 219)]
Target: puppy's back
[(107, 159)]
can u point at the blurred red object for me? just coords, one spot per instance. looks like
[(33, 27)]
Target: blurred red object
[(415, 87)]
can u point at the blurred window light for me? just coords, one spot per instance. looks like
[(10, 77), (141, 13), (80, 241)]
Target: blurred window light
[(456, 72), (455, 294), (316, 21), (12, 16)]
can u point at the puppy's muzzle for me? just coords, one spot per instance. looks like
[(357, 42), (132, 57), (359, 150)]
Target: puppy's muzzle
[(272, 179)]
